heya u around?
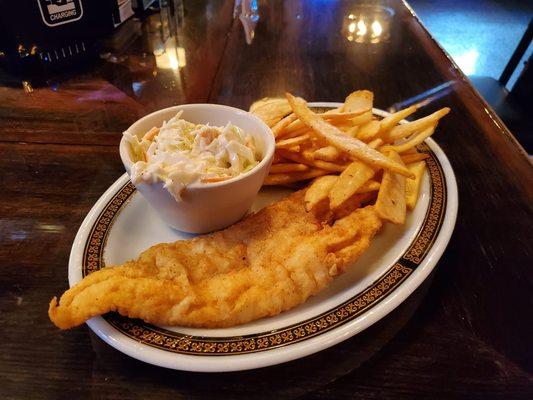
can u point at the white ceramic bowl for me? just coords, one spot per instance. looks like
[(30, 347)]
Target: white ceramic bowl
[(206, 207)]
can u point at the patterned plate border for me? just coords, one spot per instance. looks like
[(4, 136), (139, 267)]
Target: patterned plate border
[(163, 339)]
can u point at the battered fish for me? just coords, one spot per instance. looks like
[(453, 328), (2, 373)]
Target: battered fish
[(268, 263)]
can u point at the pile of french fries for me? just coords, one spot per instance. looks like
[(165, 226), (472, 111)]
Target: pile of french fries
[(353, 157)]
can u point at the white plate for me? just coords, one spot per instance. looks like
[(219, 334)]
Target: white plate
[(121, 225)]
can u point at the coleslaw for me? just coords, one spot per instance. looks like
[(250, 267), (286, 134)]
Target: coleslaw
[(180, 153)]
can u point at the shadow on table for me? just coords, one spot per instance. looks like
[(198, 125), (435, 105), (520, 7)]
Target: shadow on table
[(116, 375)]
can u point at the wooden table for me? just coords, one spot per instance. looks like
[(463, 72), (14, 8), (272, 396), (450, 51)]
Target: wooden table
[(466, 333)]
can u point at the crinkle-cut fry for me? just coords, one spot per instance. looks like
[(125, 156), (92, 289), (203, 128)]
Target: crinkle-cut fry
[(413, 141), (368, 131), (411, 158), (352, 146), (375, 143), (306, 158), (290, 177), (404, 130), (151, 134), (327, 153), (288, 143), (288, 167), (283, 123), (392, 120)]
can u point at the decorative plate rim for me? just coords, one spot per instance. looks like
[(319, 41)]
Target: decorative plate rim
[(211, 354)]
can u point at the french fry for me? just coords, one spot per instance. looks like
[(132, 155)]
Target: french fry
[(283, 123), (404, 130), (306, 158), (344, 128), (412, 150), (277, 159), (327, 153), (334, 119), (260, 103), (343, 116), (375, 143), (290, 177), (392, 120), (352, 204), (412, 186), (271, 109), (391, 202), (350, 180), (362, 119), (413, 141), (272, 122), (288, 167), (287, 143), (290, 134), (354, 147), (316, 196), (328, 166), (359, 100), (369, 131), (352, 131), (369, 186), (411, 158)]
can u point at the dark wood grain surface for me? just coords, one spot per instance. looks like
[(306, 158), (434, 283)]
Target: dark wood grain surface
[(466, 333)]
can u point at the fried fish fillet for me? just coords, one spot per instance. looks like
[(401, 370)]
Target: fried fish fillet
[(269, 262)]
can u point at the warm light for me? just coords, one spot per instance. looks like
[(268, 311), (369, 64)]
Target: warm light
[(173, 60), (182, 61), (376, 29), (361, 28), (367, 23), (26, 85), (172, 57)]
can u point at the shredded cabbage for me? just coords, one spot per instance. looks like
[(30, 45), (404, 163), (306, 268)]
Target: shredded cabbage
[(183, 153)]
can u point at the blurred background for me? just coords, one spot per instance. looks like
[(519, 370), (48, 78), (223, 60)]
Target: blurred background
[(490, 40), (482, 36)]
